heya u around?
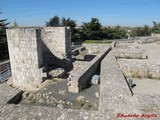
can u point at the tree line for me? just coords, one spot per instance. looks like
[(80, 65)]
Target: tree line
[(92, 30)]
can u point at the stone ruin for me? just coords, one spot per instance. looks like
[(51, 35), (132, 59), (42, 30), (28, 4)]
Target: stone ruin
[(36, 52), (33, 50), (115, 94)]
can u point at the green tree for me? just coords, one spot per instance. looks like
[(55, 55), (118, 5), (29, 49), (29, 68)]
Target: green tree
[(120, 32), (146, 30), (93, 25), (114, 32), (57, 22), (68, 22), (75, 35), (15, 24), (92, 30), (72, 24), (141, 31), (54, 22), (3, 26), (3, 39), (156, 27)]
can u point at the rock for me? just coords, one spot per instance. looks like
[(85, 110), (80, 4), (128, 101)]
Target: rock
[(40, 114), (60, 101), (43, 95), (40, 101), (69, 78), (80, 98), (97, 94), (62, 92), (39, 95), (71, 103), (68, 103), (48, 101), (57, 73), (55, 100), (31, 96), (50, 93), (87, 101), (95, 79), (47, 97), (25, 94), (60, 105)]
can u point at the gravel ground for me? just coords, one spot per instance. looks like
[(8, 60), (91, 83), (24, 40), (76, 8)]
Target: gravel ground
[(56, 95)]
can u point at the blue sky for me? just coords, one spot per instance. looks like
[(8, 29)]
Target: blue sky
[(109, 12)]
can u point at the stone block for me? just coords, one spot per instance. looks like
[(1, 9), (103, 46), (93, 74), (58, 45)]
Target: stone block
[(57, 73), (95, 80)]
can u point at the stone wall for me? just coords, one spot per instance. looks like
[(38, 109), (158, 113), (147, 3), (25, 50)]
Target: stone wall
[(129, 51), (25, 56), (81, 77), (115, 95), (155, 35), (57, 41), (140, 68), (26, 50), (56, 47)]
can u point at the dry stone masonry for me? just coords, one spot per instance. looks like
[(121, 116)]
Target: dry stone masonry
[(28, 49), (140, 69), (57, 41), (130, 53), (82, 73), (115, 95)]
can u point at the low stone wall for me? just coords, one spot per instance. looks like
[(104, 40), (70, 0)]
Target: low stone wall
[(123, 45), (115, 95), (152, 40), (82, 76), (155, 35), (96, 48), (140, 68), (130, 53)]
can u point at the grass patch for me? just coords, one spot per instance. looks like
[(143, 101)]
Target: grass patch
[(98, 41), (78, 104)]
